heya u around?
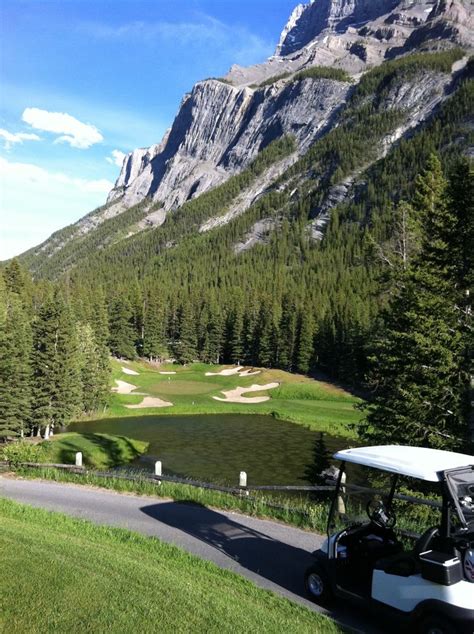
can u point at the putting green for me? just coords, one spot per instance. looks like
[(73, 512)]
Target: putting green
[(182, 387)]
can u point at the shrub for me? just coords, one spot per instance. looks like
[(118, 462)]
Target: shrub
[(21, 451)]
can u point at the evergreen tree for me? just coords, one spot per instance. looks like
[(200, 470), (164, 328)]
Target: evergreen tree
[(15, 365), (236, 335), (186, 349), (121, 328), (213, 336), (417, 360), (94, 380), (265, 337), (305, 350), (461, 205), (288, 331), (321, 462), (57, 393), (154, 342)]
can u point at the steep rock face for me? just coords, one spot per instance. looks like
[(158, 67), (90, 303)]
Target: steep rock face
[(219, 130), (222, 125), (310, 20)]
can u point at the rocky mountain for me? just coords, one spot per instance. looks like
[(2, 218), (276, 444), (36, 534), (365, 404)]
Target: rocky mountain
[(314, 86)]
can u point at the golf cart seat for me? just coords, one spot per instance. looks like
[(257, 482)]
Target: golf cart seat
[(401, 564), (405, 564)]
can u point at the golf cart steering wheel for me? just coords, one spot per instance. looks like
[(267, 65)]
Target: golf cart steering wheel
[(380, 515)]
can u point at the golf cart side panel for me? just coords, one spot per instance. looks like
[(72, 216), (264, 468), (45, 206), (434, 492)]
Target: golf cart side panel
[(411, 591)]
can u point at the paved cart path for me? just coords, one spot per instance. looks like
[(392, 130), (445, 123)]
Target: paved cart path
[(272, 555)]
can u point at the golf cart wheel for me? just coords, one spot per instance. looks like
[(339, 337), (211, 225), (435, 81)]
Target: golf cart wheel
[(434, 624), (317, 585)]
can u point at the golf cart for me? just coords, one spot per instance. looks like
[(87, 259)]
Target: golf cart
[(363, 560)]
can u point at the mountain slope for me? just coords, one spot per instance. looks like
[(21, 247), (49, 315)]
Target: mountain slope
[(388, 103), (304, 91)]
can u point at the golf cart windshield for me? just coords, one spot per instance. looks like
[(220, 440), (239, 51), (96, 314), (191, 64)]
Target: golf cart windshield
[(362, 496), (461, 488)]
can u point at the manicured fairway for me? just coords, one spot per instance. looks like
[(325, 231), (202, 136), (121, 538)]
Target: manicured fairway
[(66, 575), (299, 399)]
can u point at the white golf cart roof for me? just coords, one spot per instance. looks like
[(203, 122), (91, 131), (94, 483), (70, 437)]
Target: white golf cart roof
[(416, 462)]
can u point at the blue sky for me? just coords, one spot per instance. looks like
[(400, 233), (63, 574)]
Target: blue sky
[(83, 81)]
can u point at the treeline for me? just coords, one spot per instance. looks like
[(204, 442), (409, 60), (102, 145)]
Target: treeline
[(54, 364)]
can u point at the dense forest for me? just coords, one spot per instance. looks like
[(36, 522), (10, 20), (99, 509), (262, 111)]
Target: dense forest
[(387, 285), (54, 358)]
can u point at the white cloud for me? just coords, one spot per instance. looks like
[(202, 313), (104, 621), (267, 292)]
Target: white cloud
[(10, 138), (29, 173), (35, 202), (72, 131), (116, 158)]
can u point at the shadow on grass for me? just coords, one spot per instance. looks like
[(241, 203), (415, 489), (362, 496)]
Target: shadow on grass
[(278, 562), (110, 451)]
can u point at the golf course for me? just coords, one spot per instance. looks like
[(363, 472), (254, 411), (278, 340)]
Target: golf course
[(205, 389)]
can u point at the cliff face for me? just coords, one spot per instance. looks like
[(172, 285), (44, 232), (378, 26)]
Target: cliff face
[(222, 125), (219, 130), (310, 20)]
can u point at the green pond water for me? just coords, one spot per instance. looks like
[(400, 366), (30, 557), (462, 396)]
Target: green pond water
[(215, 448)]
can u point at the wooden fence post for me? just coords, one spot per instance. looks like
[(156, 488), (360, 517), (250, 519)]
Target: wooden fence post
[(243, 482), (78, 459), (158, 469)]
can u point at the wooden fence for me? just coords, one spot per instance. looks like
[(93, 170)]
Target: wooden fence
[(242, 489)]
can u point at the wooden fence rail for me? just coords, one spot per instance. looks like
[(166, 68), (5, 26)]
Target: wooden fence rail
[(234, 490)]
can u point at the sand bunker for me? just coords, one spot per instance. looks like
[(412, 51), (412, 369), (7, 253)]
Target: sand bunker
[(150, 401), (236, 395), (249, 372), (123, 387), (232, 371), (228, 372), (129, 371), (167, 372)]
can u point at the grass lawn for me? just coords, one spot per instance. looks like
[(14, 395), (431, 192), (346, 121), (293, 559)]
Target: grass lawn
[(299, 399), (98, 450), (301, 512), (63, 575)]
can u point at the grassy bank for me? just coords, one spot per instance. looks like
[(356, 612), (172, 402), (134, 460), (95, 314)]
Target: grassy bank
[(81, 577), (99, 451), (297, 511), (299, 399)]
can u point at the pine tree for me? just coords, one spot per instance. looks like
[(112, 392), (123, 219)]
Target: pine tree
[(236, 335), (305, 346), (461, 205), (57, 394), (94, 381), (15, 365), (186, 349), (265, 337), (121, 328), (417, 358), (321, 462), (100, 326), (154, 343), (288, 331), (213, 336)]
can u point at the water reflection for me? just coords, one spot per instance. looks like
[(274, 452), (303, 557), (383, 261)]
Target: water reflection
[(215, 448)]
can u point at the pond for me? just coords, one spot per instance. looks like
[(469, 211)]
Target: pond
[(215, 448)]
